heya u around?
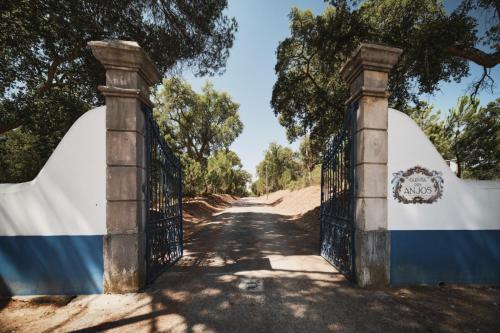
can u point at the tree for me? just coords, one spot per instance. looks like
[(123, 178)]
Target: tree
[(456, 123), (469, 135), (43, 44), (280, 167), (309, 95), (225, 174), (481, 143), (429, 120), (48, 76), (474, 138), (197, 124), (24, 151), (308, 158), (201, 127), (193, 177)]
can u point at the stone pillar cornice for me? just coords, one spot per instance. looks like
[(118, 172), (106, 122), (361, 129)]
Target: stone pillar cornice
[(126, 93), (127, 56), (370, 57), (367, 71)]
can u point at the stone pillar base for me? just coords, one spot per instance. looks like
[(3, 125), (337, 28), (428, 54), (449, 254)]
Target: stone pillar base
[(124, 263), (372, 258)]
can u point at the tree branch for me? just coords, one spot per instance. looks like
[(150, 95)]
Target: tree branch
[(52, 71), (487, 60), (10, 126), (480, 83)]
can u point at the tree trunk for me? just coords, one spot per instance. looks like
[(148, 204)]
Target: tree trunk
[(459, 167)]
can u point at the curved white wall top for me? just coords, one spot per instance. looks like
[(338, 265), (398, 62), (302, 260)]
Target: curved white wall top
[(68, 196), (464, 205)]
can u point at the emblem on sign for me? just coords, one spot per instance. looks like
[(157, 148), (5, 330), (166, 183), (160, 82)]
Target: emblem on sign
[(417, 185)]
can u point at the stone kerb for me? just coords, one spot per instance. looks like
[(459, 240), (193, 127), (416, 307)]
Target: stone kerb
[(367, 73), (129, 75)]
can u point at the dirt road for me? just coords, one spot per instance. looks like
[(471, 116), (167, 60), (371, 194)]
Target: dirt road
[(251, 270)]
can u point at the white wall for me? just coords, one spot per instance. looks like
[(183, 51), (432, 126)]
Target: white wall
[(68, 197), (465, 204)]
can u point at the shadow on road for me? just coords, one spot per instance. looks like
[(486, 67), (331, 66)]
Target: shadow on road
[(300, 291)]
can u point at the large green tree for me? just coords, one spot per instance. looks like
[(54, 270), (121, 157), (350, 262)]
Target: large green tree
[(197, 124), (48, 76), (201, 127), (309, 95), (43, 44), (277, 170), (226, 175)]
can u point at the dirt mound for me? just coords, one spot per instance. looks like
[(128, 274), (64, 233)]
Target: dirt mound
[(302, 206), (199, 209)]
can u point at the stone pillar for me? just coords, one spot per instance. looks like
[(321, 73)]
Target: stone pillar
[(129, 74), (367, 73)]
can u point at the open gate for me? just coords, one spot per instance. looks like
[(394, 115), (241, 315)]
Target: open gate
[(338, 200), (164, 231)]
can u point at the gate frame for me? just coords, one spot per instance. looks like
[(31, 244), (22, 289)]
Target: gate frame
[(129, 75), (329, 213), (153, 141), (367, 74)]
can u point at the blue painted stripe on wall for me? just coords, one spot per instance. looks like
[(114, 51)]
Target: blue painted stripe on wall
[(51, 265), (452, 256)]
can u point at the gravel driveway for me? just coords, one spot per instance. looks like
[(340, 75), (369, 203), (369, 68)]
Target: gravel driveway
[(252, 270)]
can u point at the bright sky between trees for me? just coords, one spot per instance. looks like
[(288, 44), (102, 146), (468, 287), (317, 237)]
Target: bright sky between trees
[(250, 76)]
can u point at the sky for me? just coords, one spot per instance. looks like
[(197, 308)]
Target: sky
[(250, 76)]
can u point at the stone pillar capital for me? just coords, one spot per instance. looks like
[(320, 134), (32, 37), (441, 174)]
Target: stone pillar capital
[(126, 56), (129, 70), (366, 71)]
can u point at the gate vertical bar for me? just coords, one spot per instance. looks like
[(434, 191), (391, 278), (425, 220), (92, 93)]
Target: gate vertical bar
[(353, 184)]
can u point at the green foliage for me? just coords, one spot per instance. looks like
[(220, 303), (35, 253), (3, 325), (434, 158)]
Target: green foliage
[(309, 94), (24, 151), (21, 161), (193, 177), (201, 127), (308, 158), (225, 174), (286, 169), (429, 120), (280, 166), (307, 179), (197, 124), (473, 135), (481, 143), (469, 135), (48, 76)]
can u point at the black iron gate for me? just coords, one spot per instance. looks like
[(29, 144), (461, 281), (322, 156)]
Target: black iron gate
[(163, 201), (338, 197)]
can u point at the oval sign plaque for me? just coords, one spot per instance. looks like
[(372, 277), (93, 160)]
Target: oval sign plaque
[(417, 185)]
